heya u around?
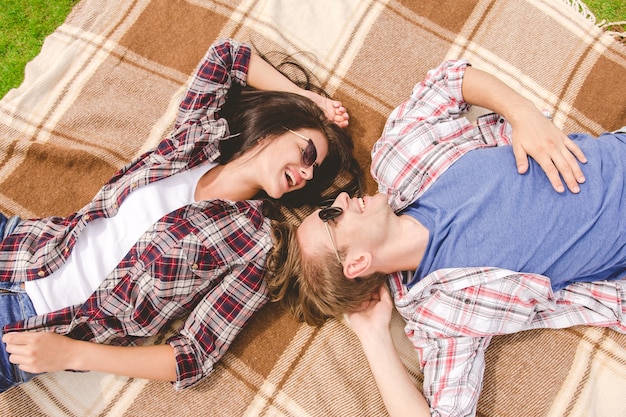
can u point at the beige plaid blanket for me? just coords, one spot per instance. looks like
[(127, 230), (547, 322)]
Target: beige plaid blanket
[(105, 87)]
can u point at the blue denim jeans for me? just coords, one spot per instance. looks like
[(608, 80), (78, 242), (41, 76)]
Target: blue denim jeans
[(7, 225), (15, 305)]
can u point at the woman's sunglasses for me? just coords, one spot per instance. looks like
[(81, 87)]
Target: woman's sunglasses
[(326, 214), (309, 155)]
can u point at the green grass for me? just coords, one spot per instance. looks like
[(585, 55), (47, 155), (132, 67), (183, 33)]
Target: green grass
[(23, 26), (25, 23), (609, 10)]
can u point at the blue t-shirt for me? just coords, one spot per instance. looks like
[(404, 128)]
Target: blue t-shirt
[(482, 213)]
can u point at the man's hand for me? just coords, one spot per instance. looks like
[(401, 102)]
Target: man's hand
[(371, 325), (536, 136), (374, 315)]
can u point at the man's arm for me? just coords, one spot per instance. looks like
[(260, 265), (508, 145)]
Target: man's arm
[(533, 134), (453, 367), (371, 324), (38, 352)]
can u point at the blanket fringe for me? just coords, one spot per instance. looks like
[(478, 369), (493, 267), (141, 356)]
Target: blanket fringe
[(615, 29)]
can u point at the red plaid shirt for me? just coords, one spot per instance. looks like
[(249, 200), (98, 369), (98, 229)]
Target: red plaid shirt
[(204, 262), (451, 314)]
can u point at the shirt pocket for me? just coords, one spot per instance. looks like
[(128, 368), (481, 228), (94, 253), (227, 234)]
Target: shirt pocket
[(185, 273), (447, 313)]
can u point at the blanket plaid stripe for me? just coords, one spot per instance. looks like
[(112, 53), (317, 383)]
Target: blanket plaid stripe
[(105, 88)]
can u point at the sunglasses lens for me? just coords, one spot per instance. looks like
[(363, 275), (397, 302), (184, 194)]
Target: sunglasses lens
[(310, 154), (330, 213)]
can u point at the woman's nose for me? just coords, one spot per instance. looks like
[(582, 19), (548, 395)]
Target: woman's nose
[(307, 172)]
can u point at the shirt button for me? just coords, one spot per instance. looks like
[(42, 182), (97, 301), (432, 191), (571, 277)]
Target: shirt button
[(41, 274), (87, 217), (194, 266), (467, 301)]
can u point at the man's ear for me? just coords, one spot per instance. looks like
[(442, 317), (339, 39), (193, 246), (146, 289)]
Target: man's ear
[(357, 266)]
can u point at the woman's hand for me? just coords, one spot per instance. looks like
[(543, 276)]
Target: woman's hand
[(263, 76), (536, 136), (38, 352), (334, 110)]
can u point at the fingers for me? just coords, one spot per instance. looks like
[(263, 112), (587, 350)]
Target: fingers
[(570, 171), (341, 121), (18, 343), (559, 162), (378, 296), (18, 350), (339, 114), (333, 109), (13, 338), (574, 149), (38, 352), (382, 297), (537, 137), (562, 164), (553, 175), (384, 294), (521, 159)]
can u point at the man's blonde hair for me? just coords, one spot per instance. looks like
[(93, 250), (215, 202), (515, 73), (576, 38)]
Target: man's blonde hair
[(320, 290)]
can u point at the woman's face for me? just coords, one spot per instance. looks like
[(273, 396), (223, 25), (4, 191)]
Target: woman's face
[(285, 162)]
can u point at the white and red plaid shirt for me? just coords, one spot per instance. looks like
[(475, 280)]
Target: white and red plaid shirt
[(451, 314)]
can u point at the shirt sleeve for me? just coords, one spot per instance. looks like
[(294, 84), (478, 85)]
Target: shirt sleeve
[(445, 316), (225, 63), (451, 314), (212, 326), (453, 374), (231, 257), (424, 135)]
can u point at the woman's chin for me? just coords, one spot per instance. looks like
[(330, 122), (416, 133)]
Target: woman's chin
[(276, 194)]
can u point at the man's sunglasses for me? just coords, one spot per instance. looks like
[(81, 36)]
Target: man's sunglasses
[(326, 214), (309, 155)]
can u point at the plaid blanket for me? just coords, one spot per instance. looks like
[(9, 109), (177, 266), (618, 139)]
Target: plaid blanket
[(105, 88)]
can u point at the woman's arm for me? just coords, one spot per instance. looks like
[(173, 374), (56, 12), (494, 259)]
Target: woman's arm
[(38, 352), (371, 325), (533, 134), (263, 76)]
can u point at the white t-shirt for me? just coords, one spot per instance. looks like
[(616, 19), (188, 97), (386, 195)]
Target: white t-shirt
[(104, 242)]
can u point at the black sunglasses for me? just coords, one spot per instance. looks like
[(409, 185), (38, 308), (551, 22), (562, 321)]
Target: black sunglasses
[(330, 213), (309, 154), (327, 214)]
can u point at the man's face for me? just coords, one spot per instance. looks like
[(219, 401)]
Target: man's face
[(360, 226)]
